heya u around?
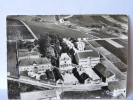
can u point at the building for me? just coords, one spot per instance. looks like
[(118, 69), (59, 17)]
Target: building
[(68, 43), (87, 59), (68, 79), (39, 95), (92, 74), (65, 61), (104, 73), (117, 88), (24, 54), (27, 50), (80, 46), (39, 65)]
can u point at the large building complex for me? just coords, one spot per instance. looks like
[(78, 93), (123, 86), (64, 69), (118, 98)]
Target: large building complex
[(87, 58)]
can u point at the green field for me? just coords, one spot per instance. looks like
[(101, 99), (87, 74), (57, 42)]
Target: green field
[(63, 32)]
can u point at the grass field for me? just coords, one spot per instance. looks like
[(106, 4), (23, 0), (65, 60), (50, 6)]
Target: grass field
[(11, 58), (85, 95), (63, 32), (17, 30)]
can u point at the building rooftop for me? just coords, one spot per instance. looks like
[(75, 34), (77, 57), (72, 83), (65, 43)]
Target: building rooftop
[(64, 56), (118, 84), (103, 70), (86, 54), (27, 53), (32, 61), (68, 78), (92, 74), (38, 95)]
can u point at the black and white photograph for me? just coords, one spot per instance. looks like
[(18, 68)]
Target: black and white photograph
[(67, 56)]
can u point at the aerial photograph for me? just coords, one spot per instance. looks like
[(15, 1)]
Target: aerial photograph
[(67, 56)]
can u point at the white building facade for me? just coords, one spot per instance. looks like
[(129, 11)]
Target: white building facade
[(65, 61), (87, 59), (80, 46)]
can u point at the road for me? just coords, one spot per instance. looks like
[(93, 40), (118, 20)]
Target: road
[(30, 30), (36, 83), (61, 88)]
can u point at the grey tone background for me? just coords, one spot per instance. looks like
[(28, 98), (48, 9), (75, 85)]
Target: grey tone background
[(51, 7)]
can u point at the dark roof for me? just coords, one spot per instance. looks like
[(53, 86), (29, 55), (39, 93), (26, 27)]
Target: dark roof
[(103, 70), (49, 74), (57, 74), (31, 61), (118, 84), (86, 54)]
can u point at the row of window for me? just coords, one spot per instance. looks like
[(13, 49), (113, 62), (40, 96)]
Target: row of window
[(65, 65)]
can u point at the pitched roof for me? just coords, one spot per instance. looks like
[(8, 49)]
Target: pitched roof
[(64, 55), (103, 70), (25, 62), (86, 54), (50, 74)]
